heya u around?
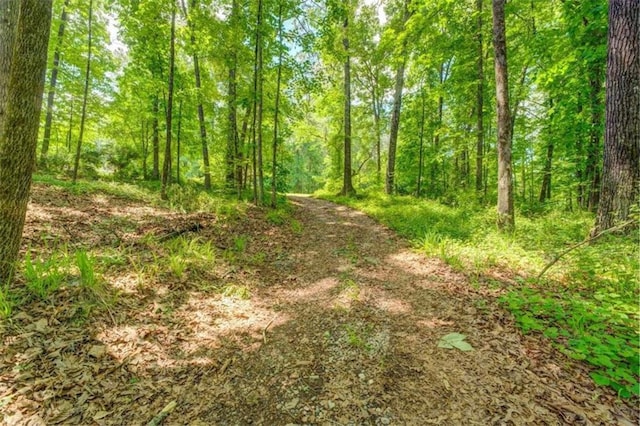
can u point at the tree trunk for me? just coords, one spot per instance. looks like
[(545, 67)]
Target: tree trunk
[(155, 172), (506, 218), (421, 153), (166, 165), (592, 169), (178, 143), (274, 158), (259, 105), (9, 12), (24, 36), (85, 96), (144, 133), (258, 188), (479, 102), (70, 130), (201, 120), (621, 171), (395, 115), (545, 191), (52, 87), (347, 185)]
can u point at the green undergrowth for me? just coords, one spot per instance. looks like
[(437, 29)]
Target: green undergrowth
[(587, 303)]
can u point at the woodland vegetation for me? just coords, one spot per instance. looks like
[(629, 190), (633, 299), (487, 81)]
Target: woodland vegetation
[(501, 137)]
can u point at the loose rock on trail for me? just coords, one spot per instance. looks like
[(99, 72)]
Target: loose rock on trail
[(339, 324)]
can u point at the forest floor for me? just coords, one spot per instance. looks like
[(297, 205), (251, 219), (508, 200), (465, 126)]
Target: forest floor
[(326, 317)]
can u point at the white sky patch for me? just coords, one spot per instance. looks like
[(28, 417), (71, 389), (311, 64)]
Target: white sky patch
[(379, 4), (116, 45)]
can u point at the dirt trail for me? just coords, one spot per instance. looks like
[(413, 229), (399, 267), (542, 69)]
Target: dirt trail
[(341, 328)]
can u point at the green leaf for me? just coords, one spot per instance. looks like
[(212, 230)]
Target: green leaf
[(600, 379), (455, 340)]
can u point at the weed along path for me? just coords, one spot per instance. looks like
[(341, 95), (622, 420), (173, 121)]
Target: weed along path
[(315, 316)]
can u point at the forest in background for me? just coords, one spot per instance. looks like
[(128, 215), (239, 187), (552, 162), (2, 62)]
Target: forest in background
[(365, 98)]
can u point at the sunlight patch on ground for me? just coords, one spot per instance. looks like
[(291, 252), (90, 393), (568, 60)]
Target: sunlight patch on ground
[(315, 292)]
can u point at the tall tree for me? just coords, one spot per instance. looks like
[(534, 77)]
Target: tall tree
[(258, 183), (166, 165), (196, 70), (397, 106), (274, 153), (87, 78), (24, 36), (52, 86), (347, 184), (621, 171), (479, 100), (506, 217)]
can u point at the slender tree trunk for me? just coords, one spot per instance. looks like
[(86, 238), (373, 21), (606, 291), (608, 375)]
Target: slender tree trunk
[(259, 105), (592, 169), (479, 102), (85, 96), (24, 36), (196, 72), (545, 190), (257, 111), (178, 142), (70, 130), (506, 217), (155, 172), (233, 140), (166, 166), (274, 158), (421, 154), (347, 185), (395, 115), (52, 87), (621, 171), (144, 132), (243, 153)]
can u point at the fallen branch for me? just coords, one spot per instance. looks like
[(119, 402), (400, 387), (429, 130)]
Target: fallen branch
[(580, 244), (264, 331), (163, 414), (194, 227)]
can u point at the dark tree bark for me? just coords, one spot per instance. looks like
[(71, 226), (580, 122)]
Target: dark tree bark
[(70, 129), (545, 191), (85, 96), (479, 102), (258, 186), (166, 165), (592, 169), (24, 36), (52, 87), (395, 115), (274, 153), (196, 71), (155, 171), (621, 171), (421, 151), (144, 135), (178, 143), (9, 11), (347, 184), (506, 217)]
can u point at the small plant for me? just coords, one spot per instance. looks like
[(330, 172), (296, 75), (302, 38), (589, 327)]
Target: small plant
[(296, 226), (177, 265), (277, 217), (6, 302), (43, 277), (85, 264), (236, 291), (240, 243)]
